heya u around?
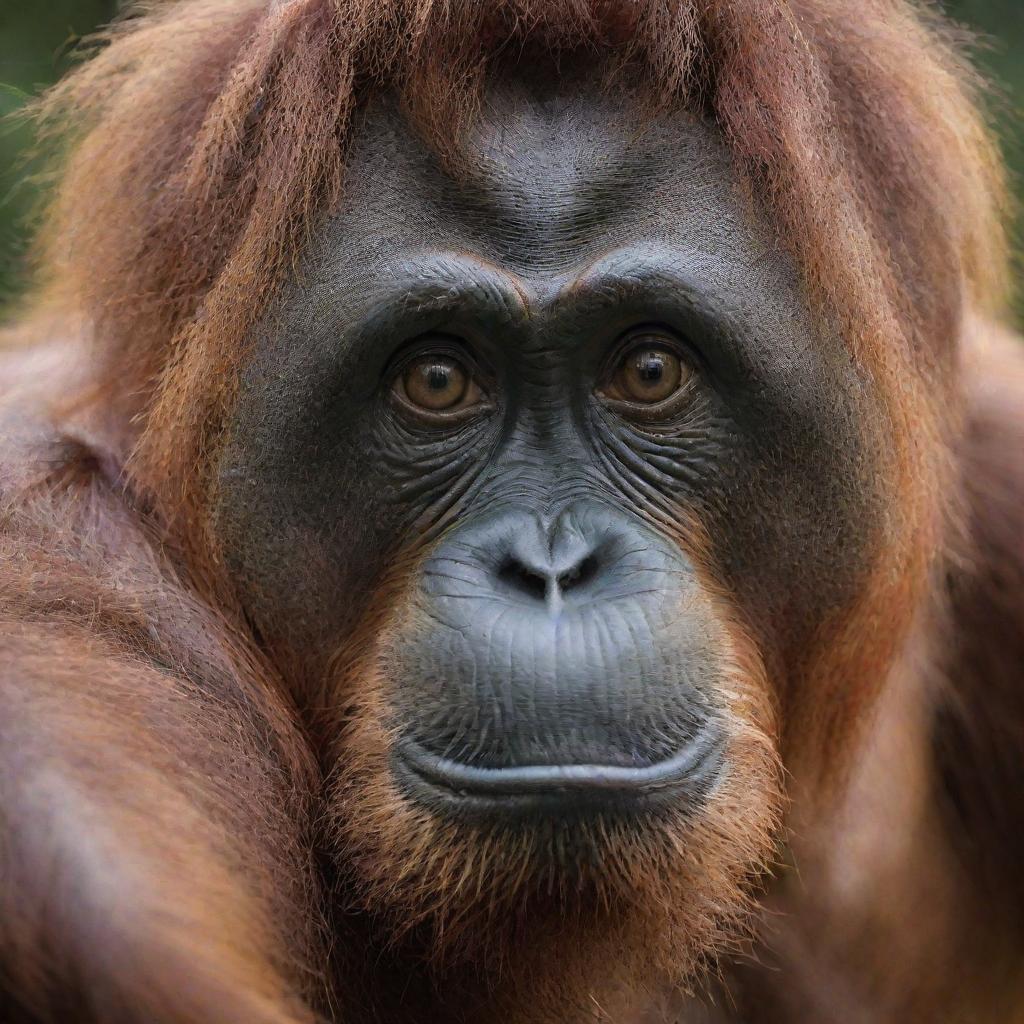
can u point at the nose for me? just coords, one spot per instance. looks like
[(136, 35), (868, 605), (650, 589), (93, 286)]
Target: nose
[(550, 562)]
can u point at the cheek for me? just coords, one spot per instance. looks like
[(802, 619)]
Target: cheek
[(311, 515), (300, 561), (796, 547), (813, 541), (798, 515)]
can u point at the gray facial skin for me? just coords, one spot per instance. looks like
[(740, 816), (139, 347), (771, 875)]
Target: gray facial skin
[(556, 625)]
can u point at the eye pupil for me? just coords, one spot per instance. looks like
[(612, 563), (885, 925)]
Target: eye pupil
[(438, 378), (651, 368)]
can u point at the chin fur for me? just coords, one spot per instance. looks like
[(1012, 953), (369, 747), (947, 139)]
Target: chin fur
[(578, 907)]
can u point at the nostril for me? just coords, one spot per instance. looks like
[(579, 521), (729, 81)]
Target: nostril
[(524, 579), (541, 584), (579, 574)]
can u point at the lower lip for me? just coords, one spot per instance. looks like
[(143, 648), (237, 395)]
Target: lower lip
[(689, 774)]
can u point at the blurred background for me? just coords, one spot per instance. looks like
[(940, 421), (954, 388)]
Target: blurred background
[(35, 41)]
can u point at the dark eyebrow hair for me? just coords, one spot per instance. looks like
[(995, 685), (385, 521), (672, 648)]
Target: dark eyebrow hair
[(655, 271), (420, 293), (728, 325), (642, 268)]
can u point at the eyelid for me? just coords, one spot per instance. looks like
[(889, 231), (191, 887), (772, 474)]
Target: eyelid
[(663, 335), (439, 344), (440, 417), (658, 411), (666, 339)]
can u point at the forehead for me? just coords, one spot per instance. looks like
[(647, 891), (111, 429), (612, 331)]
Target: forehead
[(550, 176), (560, 189)]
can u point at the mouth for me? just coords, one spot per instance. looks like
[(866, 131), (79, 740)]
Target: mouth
[(683, 781)]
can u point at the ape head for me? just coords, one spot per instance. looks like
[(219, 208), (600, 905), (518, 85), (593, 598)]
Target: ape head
[(569, 430), (544, 383)]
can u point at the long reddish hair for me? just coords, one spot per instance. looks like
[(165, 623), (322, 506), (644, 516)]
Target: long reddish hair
[(203, 136)]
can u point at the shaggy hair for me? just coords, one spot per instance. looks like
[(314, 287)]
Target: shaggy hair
[(196, 150), (208, 134)]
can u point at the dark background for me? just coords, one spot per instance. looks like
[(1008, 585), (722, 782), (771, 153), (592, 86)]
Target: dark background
[(35, 40)]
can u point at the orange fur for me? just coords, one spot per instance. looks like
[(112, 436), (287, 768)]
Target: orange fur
[(195, 151)]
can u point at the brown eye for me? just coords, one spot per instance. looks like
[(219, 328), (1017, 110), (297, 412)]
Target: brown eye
[(435, 382), (648, 374), (438, 388)]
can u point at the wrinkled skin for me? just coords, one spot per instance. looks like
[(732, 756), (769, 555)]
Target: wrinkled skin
[(569, 228)]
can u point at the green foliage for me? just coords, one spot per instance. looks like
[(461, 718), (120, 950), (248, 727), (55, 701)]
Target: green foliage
[(35, 42), (36, 39), (1000, 53)]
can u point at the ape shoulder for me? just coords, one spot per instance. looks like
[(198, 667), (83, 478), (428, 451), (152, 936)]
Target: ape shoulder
[(981, 711), (82, 556)]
